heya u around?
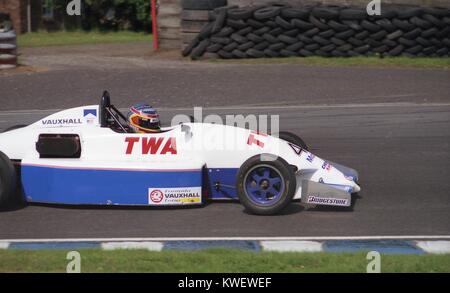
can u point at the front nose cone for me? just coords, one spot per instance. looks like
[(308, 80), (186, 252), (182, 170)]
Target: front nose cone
[(356, 188)]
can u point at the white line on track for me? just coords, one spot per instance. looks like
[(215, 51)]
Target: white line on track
[(319, 106), (256, 107), (310, 238)]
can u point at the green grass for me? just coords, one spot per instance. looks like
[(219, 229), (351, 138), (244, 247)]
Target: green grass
[(425, 62), (218, 260), (44, 39)]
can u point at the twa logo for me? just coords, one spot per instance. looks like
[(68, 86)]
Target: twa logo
[(255, 138), (152, 145)]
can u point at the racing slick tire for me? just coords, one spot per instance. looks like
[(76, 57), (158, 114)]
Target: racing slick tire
[(266, 184), (7, 181)]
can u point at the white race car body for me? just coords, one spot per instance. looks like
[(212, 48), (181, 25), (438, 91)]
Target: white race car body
[(182, 165)]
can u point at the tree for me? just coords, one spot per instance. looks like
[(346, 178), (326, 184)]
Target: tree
[(111, 14)]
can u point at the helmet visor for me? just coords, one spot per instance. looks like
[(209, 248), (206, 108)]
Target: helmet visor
[(150, 123)]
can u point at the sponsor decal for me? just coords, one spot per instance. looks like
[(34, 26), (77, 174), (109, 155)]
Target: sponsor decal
[(298, 150), (326, 166), (90, 112), (252, 138), (351, 178), (62, 121), (156, 196), (175, 196), (90, 115), (328, 200), (310, 157), (151, 145), (349, 189)]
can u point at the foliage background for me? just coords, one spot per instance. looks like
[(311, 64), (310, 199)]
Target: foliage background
[(103, 15)]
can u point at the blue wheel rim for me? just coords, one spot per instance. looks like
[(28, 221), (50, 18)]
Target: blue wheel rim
[(264, 185)]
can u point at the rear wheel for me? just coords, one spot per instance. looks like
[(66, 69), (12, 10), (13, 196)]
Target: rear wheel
[(265, 184), (7, 181)]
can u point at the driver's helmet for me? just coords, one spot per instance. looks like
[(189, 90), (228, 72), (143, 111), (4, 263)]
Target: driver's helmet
[(143, 118)]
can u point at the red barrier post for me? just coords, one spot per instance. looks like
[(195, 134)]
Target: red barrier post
[(154, 25)]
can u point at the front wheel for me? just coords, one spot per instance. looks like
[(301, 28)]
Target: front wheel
[(292, 138), (266, 184)]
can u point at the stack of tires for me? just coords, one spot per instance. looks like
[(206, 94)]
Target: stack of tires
[(328, 31), (195, 15), (8, 43)]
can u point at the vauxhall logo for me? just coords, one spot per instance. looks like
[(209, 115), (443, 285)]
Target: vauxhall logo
[(61, 121)]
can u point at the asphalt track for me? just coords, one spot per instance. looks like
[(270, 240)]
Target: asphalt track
[(187, 84), (402, 151)]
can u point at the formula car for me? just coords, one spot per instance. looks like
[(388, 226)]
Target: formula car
[(90, 156)]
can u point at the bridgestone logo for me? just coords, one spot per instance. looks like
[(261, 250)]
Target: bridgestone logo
[(328, 201)]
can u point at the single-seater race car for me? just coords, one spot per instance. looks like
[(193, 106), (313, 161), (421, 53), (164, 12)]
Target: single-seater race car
[(90, 156)]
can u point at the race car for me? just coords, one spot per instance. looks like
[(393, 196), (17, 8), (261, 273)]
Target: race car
[(89, 155)]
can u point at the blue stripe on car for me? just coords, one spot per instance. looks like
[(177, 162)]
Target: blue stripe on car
[(91, 186), (48, 184)]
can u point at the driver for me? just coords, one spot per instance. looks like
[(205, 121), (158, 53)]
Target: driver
[(143, 118)]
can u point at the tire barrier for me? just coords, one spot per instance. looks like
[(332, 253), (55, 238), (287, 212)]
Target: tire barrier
[(195, 15), (8, 43), (328, 31)]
